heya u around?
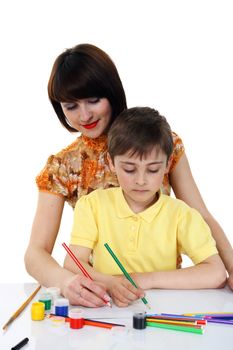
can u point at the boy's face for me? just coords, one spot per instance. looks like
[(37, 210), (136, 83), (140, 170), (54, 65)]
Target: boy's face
[(140, 179)]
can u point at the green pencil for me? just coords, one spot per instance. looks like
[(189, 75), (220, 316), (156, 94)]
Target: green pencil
[(175, 327), (124, 271)]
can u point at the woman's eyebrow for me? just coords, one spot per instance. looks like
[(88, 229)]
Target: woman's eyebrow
[(66, 104)]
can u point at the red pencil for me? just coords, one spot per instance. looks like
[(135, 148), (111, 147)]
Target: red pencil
[(81, 267), (77, 262)]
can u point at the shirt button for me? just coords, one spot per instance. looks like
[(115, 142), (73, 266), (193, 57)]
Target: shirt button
[(135, 218), (131, 239)]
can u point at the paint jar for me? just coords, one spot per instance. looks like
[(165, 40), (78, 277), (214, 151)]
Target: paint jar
[(76, 318), (37, 311), (139, 320), (55, 293), (61, 307), (57, 321), (46, 298)]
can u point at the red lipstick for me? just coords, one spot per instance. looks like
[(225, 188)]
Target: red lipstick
[(90, 126)]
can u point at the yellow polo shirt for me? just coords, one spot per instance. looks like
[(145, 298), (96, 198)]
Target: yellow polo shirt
[(144, 242)]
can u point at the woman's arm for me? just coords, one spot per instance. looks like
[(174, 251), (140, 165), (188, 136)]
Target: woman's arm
[(208, 274), (185, 188), (41, 265)]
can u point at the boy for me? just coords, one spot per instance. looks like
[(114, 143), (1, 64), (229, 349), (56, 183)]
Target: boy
[(147, 230)]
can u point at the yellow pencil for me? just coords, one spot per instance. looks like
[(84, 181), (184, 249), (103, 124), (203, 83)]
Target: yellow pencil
[(182, 323), (22, 307)]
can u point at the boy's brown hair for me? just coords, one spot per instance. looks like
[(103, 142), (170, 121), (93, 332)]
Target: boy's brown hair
[(137, 131)]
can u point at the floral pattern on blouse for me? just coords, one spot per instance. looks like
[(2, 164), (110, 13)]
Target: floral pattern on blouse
[(83, 167)]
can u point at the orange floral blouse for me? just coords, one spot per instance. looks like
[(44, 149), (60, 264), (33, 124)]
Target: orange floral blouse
[(83, 167)]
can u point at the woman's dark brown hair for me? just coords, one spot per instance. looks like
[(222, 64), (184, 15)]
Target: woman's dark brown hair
[(85, 71)]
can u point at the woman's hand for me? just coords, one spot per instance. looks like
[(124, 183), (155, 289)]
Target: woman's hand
[(122, 291), (82, 291)]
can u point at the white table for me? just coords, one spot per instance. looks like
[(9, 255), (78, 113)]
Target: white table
[(42, 336)]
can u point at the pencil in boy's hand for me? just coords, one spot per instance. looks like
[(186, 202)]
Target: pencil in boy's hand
[(81, 267), (126, 274), (77, 262)]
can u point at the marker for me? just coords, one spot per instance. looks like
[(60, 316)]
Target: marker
[(20, 344)]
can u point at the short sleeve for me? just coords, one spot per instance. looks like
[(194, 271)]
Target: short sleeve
[(194, 237), (85, 230), (53, 177), (178, 150)]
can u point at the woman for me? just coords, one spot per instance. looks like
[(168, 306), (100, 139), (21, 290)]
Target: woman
[(87, 94)]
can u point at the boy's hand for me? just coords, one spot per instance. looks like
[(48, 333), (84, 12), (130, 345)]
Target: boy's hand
[(122, 291), (143, 279), (82, 291), (230, 280)]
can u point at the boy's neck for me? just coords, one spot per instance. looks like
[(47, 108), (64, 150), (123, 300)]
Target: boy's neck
[(138, 207)]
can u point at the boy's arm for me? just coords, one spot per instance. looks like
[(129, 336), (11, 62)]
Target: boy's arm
[(210, 273), (83, 254), (120, 289)]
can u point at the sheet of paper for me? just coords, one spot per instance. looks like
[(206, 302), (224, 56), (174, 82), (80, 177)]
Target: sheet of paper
[(115, 312)]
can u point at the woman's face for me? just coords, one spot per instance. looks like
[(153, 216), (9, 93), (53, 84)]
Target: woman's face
[(90, 116)]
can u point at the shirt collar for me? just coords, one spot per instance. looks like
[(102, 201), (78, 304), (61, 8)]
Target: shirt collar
[(97, 144), (123, 210)]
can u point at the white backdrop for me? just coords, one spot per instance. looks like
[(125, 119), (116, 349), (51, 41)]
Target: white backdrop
[(175, 56)]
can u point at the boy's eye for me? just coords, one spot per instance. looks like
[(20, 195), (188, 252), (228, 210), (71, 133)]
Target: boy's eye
[(153, 171), (129, 170)]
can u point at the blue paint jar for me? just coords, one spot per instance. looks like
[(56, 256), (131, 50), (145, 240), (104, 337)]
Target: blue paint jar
[(61, 307)]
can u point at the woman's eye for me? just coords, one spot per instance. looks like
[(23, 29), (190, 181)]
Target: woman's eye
[(71, 107), (94, 100)]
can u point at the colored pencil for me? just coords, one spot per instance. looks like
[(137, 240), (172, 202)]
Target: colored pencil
[(207, 313), (172, 319), (178, 323), (222, 321), (108, 323), (198, 319), (175, 327), (224, 316), (81, 267), (21, 308), (77, 262), (90, 322), (195, 317), (175, 317), (129, 278)]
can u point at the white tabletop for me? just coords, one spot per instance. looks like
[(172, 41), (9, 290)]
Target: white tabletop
[(43, 336)]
